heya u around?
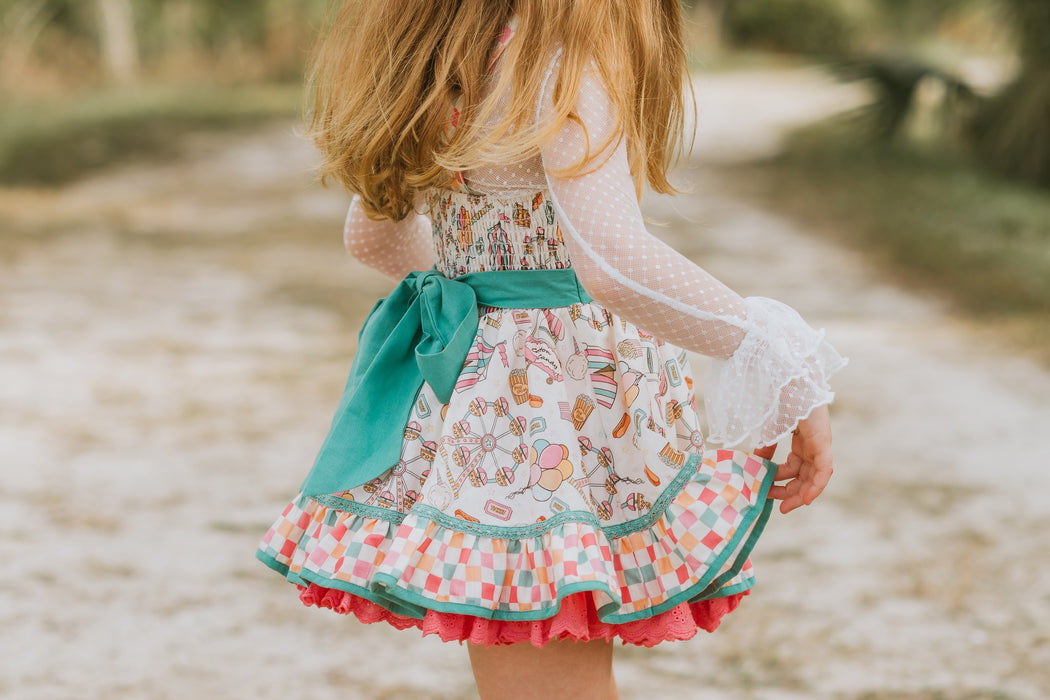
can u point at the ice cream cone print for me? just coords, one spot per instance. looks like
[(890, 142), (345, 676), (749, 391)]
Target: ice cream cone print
[(630, 379)]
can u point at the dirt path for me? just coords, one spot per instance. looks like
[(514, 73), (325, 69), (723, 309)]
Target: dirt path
[(174, 337)]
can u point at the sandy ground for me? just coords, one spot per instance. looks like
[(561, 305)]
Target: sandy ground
[(174, 337)]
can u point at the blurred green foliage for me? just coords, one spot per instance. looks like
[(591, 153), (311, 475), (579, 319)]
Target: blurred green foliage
[(55, 141), (811, 27), (885, 42), (931, 216), (59, 45), (1012, 131)]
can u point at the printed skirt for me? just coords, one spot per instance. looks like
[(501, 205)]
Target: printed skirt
[(564, 492)]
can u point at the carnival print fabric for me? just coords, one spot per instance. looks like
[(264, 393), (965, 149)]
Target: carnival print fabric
[(569, 459)]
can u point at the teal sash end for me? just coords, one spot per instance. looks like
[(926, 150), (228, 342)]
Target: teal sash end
[(422, 332)]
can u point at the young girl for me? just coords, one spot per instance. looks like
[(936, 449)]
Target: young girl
[(517, 460)]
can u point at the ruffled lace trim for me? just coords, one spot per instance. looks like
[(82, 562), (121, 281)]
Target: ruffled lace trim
[(774, 379), (577, 620)]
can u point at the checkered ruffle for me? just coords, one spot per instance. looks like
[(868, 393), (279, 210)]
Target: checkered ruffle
[(695, 548)]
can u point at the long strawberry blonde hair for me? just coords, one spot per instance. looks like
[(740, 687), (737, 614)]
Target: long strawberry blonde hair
[(385, 74)]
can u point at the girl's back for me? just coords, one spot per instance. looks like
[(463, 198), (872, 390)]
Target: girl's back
[(518, 456)]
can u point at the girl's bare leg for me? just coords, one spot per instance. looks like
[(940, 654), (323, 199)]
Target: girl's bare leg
[(561, 669)]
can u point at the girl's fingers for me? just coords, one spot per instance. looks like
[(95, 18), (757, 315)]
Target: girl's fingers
[(790, 501), (790, 468), (780, 492), (805, 483), (808, 467), (818, 481)]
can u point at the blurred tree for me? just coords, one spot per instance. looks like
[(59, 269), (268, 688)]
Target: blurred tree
[(812, 27), (1013, 131), (78, 42), (21, 22), (118, 40), (907, 19), (896, 80)]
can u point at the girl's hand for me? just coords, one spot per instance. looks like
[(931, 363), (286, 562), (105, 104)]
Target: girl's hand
[(808, 467)]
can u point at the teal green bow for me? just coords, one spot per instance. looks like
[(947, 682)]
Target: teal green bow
[(421, 332)]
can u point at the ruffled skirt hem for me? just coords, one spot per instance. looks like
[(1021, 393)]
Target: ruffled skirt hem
[(576, 620)]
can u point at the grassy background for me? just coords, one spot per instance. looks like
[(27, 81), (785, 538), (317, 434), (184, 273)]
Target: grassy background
[(931, 218), (51, 142)]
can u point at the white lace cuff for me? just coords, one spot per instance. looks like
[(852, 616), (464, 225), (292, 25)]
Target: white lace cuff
[(774, 379)]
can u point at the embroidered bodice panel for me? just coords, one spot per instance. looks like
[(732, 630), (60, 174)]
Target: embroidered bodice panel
[(476, 233)]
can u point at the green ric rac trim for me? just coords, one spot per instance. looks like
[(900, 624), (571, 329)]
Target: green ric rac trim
[(642, 522), (346, 505)]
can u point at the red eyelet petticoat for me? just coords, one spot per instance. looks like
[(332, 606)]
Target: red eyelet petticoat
[(576, 620)]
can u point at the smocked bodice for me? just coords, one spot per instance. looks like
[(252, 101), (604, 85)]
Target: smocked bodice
[(479, 232)]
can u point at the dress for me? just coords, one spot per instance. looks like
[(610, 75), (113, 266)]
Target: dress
[(565, 489)]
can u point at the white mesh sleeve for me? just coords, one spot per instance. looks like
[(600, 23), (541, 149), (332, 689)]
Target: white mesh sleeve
[(393, 248), (771, 368)]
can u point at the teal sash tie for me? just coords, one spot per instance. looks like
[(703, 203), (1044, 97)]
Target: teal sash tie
[(422, 332)]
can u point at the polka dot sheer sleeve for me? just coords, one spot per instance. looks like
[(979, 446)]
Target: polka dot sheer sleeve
[(771, 368), (393, 248)]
